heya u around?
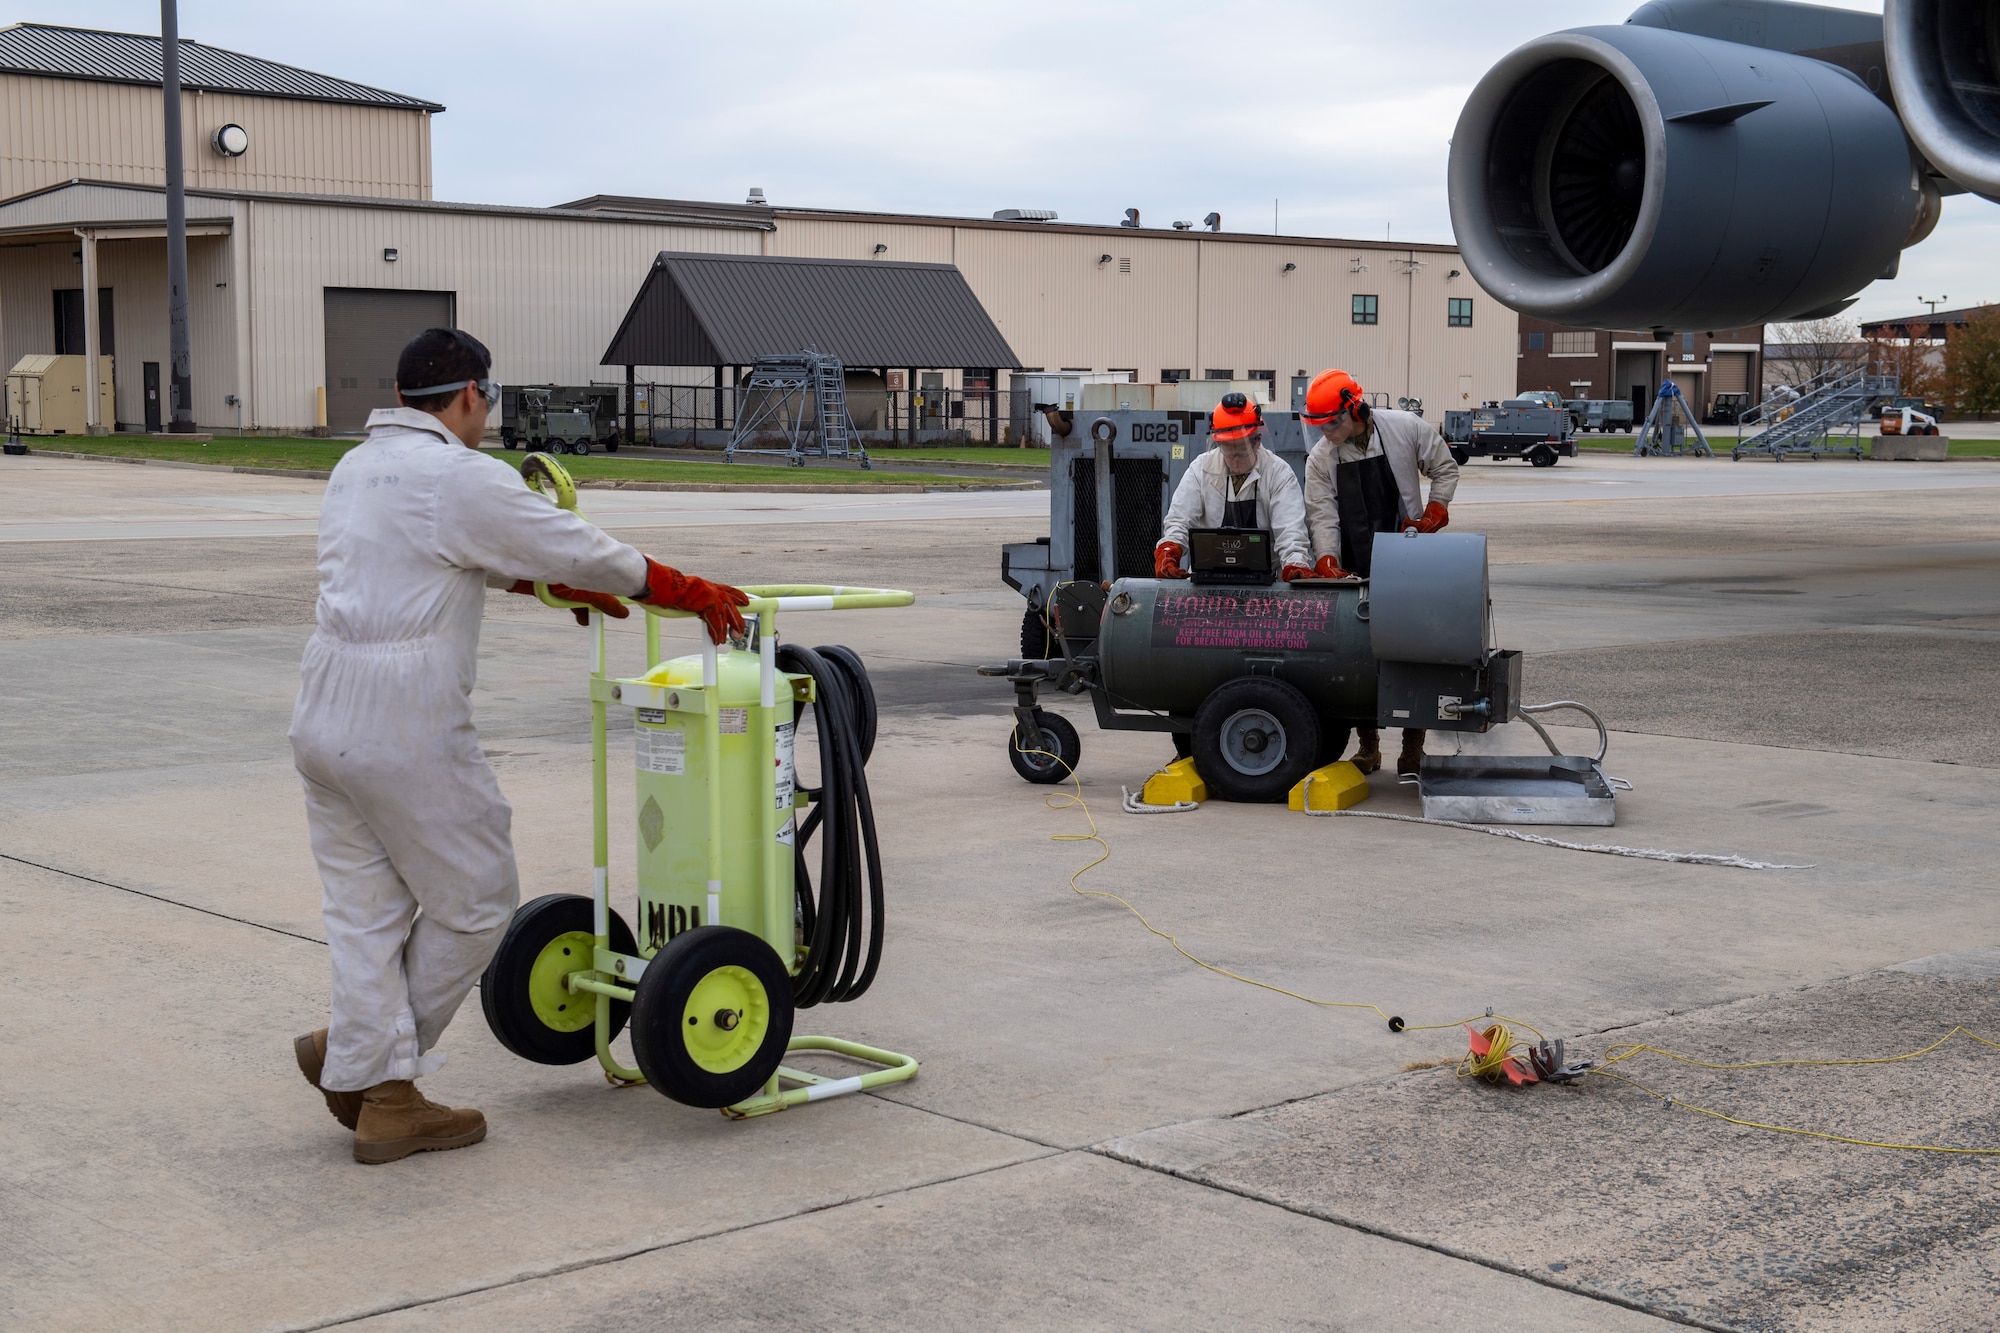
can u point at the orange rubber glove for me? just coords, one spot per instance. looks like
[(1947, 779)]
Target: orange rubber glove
[(715, 603), (1328, 568), (1435, 517), (1167, 560), (1291, 572), (603, 601)]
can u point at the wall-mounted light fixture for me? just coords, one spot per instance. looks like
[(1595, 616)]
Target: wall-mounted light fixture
[(1102, 260), (389, 256), (1291, 268), (881, 249), (1453, 274), (230, 141)]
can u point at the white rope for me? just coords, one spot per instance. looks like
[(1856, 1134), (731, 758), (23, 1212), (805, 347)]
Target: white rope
[(1136, 805), (1643, 853)]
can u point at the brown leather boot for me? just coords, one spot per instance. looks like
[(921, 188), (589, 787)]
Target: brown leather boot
[(1412, 758), (1368, 749), (310, 1050), (397, 1120)]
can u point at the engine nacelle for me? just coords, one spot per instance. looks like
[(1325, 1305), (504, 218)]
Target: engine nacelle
[(1944, 67), (1634, 177)]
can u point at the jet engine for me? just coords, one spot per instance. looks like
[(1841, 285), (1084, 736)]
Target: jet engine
[(1944, 66), (1640, 176)]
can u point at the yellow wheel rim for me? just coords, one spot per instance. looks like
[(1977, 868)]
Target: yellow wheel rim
[(550, 998), (727, 1017)]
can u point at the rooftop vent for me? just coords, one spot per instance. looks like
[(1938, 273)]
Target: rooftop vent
[(1025, 215), (756, 196)]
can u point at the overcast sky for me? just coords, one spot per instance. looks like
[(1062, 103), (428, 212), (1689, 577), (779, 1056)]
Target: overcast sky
[(1337, 114)]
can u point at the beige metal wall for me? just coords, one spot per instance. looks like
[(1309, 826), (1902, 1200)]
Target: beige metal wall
[(545, 293), (136, 273), (1201, 301), (52, 130)]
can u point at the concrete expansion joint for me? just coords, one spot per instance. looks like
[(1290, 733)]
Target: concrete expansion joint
[(641, 1251), (1538, 1277), (160, 898)]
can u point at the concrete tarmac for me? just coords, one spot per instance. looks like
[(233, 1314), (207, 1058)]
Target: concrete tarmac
[(1102, 1133)]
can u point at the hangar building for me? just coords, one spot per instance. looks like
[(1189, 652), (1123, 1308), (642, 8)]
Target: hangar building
[(315, 246)]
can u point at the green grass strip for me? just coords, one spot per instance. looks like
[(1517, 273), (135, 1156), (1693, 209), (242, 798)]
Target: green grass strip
[(320, 455)]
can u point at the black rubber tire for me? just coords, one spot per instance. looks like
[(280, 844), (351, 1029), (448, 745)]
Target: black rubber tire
[(1040, 768), (503, 988), (1297, 732), (670, 979), (611, 444), (1543, 456), (1038, 641), (1460, 456), (581, 448)]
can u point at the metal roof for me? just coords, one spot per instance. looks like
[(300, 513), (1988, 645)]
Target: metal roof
[(132, 57), (728, 310), (774, 213), (1935, 322)]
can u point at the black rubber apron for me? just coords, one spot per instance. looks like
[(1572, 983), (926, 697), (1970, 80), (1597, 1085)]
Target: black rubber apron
[(1239, 513), (1368, 502)]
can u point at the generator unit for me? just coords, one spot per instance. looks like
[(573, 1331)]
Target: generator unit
[(1111, 478), (563, 418), (1260, 684), (46, 396)]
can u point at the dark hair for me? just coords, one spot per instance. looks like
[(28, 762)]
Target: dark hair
[(440, 356)]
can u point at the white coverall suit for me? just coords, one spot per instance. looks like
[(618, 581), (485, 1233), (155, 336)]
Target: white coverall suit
[(408, 825), (1412, 448), (1206, 489)]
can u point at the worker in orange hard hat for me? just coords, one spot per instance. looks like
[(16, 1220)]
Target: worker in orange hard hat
[(1236, 483), (1365, 476)]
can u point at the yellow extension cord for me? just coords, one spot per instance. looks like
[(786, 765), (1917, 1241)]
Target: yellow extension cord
[(1502, 1040)]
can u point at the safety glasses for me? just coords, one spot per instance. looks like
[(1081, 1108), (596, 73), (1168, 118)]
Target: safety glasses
[(488, 389)]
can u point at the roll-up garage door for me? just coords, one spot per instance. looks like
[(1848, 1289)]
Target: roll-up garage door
[(1731, 373), (365, 332)]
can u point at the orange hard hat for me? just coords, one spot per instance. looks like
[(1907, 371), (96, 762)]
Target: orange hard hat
[(1331, 393), (1235, 418)]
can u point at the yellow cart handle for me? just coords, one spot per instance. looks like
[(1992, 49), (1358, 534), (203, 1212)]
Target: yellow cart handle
[(804, 597)]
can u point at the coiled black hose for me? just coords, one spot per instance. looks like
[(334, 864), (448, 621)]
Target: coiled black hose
[(839, 964)]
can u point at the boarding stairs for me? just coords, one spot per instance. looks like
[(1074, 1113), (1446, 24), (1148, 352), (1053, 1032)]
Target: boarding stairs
[(801, 399), (1834, 404)]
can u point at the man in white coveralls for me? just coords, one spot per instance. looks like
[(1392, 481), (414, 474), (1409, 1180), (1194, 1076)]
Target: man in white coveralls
[(408, 825)]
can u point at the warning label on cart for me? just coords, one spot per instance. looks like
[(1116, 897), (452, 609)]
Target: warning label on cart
[(660, 750), (735, 721), (1246, 621), (787, 781)]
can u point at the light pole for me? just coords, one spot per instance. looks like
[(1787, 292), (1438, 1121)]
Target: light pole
[(1933, 304), (181, 382)]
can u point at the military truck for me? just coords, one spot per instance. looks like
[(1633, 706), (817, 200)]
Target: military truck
[(562, 418)]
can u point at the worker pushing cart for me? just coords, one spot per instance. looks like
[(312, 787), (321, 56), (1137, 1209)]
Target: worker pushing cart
[(407, 823)]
